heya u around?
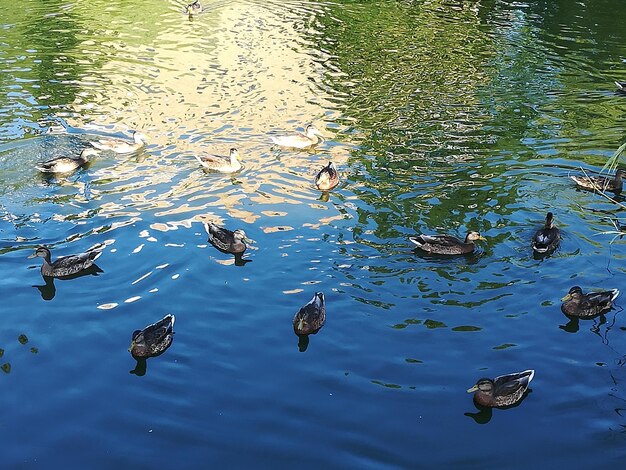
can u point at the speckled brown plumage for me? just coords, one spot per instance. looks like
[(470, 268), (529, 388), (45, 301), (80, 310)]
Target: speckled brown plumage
[(153, 339), (446, 244), (577, 304), (311, 317), (504, 390)]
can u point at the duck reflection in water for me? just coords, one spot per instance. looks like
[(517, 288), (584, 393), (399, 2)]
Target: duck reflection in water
[(152, 341), (309, 320), (228, 242), (48, 290)]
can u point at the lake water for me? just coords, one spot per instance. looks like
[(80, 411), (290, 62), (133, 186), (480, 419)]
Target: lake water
[(441, 116)]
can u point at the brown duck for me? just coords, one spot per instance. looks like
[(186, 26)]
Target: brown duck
[(153, 339), (577, 304), (504, 390)]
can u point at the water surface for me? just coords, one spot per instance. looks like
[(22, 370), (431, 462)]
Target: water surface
[(441, 116)]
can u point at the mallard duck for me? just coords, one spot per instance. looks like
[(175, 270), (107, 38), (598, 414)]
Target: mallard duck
[(194, 8), (153, 339), (299, 140), (311, 317), (547, 238), (577, 304), (621, 86), (327, 178), (66, 265), (226, 240), (505, 390), (66, 164), (601, 183), (221, 163), (446, 244), (120, 145)]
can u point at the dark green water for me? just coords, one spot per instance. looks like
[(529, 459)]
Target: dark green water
[(441, 117)]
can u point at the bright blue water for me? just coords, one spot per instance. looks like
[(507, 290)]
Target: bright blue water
[(441, 116)]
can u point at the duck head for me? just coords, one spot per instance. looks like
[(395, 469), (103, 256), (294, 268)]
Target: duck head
[(472, 236), (311, 132), (574, 293), (484, 385), (41, 252)]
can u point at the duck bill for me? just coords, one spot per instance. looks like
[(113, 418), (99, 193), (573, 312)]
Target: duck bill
[(34, 255), (567, 297), (473, 389), (482, 238), (130, 348)]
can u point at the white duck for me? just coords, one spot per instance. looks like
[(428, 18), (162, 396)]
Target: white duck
[(299, 140), (221, 163), (121, 145)]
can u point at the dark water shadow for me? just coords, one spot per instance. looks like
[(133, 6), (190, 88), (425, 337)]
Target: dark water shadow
[(48, 290), (239, 259), (484, 414), (303, 340)]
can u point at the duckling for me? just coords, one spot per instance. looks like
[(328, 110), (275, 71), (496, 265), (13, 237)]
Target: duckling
[(153, 339), (327, 178), (504, 390), (221, 163), (120, 145), (194, 8), (621, 86), (547, 238), (299, 140), (600, 183), (66, 265), (446, 244), (311, 317), (66, 164), (226, 240), (577, 304)]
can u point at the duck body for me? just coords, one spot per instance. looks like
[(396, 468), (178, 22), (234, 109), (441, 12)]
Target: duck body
[(299, 140), (194, 8), (621, 86), (225, 240), (446, 244), (311, 317), (601, 183), (121, 146), (546, 239), (504, 390), (153, 339), (221, 163), (327, 178), (65, 265), (577, 304), (66, 164)]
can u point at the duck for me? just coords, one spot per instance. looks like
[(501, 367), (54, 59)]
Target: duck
[(601, 183), (577, 304), (221, 163), (299, 140), (66, 164), (505, 390), (225, 240), (121, 146), (65, 265), (327, 178), (446, 244), (311, 317), (621, 86), (194, 8), (153, 339), (547, 238)]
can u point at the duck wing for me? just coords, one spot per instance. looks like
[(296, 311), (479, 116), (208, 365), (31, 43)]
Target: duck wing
[(59, 165), (157, 332), (67, 265), (296, 140), (441, 240), (220, 237), (599, 299), (512, 383)]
